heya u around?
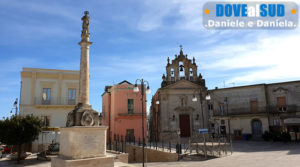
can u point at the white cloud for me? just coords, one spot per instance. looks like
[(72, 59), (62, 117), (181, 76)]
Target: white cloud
[(267, 58), (154, 13)]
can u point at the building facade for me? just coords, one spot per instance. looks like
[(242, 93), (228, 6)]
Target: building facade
[(50, 95), (122, 112), (179, 108), (255, 109), (183, 105)]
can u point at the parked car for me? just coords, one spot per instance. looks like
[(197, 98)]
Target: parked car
[(53, 149), (5, 149)]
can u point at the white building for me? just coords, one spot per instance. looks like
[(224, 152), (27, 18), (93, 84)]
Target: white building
[(51, 95)]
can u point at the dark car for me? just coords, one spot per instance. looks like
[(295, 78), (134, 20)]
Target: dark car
[(53, 149)]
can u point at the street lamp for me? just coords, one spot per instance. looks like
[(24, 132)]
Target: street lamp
[(136, 89), (16, 105), (227, 115), (194, 99), (207, 97)]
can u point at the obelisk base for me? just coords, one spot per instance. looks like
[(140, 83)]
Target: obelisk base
[(87, 162), (83, 146)]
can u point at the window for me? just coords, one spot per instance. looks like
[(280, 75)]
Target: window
[(46, 121), (72, 96), (130, 106), (46, 98), (191, 74), (210, 107), (237, 133), (172, 74), (253, 106), (222, 108), (276, 122), (281, 103), (181, 70)]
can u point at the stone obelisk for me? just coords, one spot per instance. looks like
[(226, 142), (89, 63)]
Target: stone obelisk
[(83, 141), (83, 114), (84, 61)]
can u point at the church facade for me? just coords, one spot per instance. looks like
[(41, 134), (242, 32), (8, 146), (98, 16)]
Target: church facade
[(179, 107)]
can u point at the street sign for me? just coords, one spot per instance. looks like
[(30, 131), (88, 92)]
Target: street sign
[(203, 130)]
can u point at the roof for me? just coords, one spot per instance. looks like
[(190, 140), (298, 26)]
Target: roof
[(124, 82), (262, 84), (48, 70)]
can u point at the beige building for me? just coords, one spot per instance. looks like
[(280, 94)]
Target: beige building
[(254, 109), (51, 95)]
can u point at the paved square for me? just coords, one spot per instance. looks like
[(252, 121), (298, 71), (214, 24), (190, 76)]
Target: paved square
[(250, 154), (246, 154)]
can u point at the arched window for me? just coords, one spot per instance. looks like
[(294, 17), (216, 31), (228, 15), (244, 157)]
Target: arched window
[(191, 73), (181, 71), (172, 74)]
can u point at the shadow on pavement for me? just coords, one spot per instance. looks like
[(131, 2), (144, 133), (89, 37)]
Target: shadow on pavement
[(263, 146), (29, 161)]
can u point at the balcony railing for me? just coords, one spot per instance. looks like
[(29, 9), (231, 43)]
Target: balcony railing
[(55, 101), (260, 110), (284, 109), (132, 114)]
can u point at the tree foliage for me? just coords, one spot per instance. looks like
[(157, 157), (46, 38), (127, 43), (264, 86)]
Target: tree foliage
[(19, 130)]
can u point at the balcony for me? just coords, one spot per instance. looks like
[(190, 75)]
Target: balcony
[(239, 111), (260, 110), (284, 109), (133, 114), (54, 101)]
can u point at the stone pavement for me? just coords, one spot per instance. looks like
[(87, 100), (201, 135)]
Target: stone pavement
[(246, 154), (249, 154)]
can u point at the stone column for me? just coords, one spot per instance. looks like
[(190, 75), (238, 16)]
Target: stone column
[(83, 114), (84, 72)]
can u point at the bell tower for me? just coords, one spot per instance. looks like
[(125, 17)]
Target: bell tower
[(181, 68)]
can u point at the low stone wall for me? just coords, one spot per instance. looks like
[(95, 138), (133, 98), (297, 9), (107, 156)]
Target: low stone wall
[(151, 155), (122, 157)]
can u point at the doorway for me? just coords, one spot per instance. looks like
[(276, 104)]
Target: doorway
[(184, 123), (130, 135), (256, 128)]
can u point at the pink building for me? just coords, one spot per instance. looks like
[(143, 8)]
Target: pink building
[(122, 112)]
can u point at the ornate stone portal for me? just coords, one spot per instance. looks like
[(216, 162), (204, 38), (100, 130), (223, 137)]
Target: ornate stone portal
[(83, 114), (83, 141)]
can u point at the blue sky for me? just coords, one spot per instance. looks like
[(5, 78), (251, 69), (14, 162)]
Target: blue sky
[(132, 39)]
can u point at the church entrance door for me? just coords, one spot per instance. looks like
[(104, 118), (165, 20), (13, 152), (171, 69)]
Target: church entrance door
[(184, 123)]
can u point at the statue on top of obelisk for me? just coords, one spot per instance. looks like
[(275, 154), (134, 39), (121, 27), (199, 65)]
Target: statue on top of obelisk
[(85, 26), (83, 114)]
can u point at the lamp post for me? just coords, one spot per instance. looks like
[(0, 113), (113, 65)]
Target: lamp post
[(136, 89), (16, 105), (228, 118), (194, 99), (156, 121)]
